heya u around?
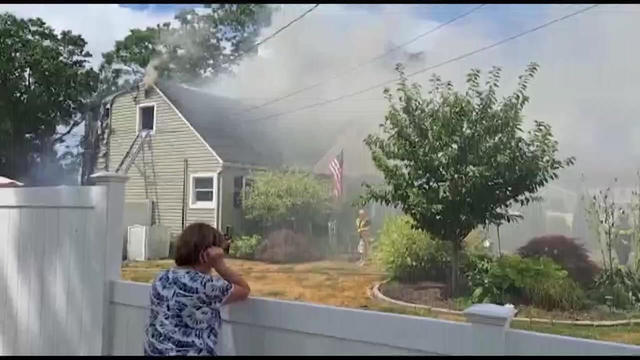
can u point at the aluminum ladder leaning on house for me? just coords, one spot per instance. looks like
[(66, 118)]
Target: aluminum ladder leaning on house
[(136, 147), (130, 157)]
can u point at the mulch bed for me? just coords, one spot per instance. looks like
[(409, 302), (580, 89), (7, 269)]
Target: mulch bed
[(423, 293)]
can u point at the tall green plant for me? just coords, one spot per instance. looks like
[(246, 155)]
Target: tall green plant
[(602, 213), (454, 161)]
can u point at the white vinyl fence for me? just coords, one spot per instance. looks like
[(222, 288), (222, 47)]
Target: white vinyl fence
[(57, 252), (273, 327), (60, 257)]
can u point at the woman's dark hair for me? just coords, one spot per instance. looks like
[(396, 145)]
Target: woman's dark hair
[(194, 239)]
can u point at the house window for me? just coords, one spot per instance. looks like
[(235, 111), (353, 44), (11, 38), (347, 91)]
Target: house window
[(241, 185), (203, 191), (147, 117)]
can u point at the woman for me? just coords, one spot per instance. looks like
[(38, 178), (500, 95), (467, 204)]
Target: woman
[(186, 300)]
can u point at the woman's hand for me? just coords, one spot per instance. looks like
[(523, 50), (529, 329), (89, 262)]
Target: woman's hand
[(212, 256)]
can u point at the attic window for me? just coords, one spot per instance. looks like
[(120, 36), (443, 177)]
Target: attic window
[(147, 117)]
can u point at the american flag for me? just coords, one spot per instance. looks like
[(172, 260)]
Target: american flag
[(335, 166)]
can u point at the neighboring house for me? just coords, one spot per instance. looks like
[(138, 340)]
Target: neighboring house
[(194, 165)]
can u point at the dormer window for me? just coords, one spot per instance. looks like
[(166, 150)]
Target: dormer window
[(146, 117)]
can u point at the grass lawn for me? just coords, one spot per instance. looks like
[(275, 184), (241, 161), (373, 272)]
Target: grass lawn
[(344, 284)]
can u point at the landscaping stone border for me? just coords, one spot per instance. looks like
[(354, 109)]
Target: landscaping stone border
[(375, 293)]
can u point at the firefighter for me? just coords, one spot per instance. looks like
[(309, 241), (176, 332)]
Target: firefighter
[(362, 226)]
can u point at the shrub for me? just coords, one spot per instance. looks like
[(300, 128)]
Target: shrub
[(476, 267), (512, 279), (286, 246), (245, 247), (409, 254), (565, 251), (563, 294), (622, 284)]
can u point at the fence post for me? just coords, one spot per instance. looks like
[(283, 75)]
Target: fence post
[(489, 323), (114, 210)]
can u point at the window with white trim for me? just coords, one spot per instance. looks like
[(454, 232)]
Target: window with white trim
[(146, 117), (203, 191)]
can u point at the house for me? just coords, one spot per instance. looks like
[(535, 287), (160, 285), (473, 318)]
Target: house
[(187, 152)]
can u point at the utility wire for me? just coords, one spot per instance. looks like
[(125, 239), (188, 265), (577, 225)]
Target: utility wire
[(241, 54), (430, 31), (457, 58)]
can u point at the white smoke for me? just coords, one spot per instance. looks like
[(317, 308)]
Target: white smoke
[(586, 87), (150, 73)]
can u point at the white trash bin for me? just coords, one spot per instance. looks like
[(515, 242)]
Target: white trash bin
[(137, 242)]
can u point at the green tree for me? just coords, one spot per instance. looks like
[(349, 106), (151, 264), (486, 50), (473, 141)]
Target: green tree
[(454, 161), (202, 45), (279, 197), (44, 85)]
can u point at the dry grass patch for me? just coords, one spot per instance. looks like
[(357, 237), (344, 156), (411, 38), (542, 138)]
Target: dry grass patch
[(335, 283)]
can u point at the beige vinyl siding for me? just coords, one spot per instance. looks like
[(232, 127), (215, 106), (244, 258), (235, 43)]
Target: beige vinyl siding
[(172, 142)]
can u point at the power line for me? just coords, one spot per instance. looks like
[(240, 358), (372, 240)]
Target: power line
[(517, 9), (457, 58), (239, 55), (430, 31)]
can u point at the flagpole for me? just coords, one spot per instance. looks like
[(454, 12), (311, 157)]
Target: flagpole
[(339, 208), (341, 173)]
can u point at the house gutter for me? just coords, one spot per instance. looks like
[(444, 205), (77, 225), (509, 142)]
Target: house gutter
[(242, 166), (184, 192)]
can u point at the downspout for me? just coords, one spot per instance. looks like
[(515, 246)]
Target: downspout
[(219, 205), (184, 193)]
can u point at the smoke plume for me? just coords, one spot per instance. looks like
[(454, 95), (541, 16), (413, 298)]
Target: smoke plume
[(150, 73), (585, 89)]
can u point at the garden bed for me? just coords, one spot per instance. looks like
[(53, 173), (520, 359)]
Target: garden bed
[(422, 293), (427, 295)]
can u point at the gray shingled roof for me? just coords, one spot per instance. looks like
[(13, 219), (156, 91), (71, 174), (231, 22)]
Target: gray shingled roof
[(214, 118)]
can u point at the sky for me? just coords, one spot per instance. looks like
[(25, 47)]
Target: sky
[(586, 87), (103, 24)]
